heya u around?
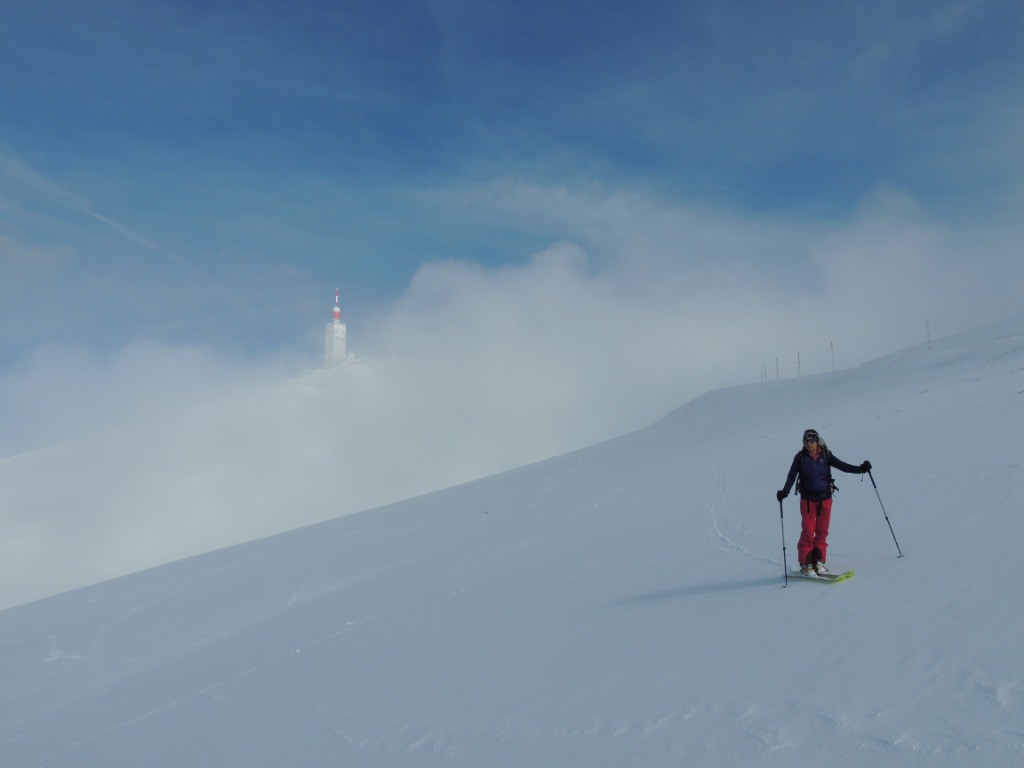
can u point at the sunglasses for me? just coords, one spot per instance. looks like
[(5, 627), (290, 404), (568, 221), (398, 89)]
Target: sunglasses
[(810, 439)]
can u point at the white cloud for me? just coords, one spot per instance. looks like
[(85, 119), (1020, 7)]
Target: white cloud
[(62, 392), (763, 287), (636, 308)]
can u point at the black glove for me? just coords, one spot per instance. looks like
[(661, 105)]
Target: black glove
[(865, 467), (780, 495)]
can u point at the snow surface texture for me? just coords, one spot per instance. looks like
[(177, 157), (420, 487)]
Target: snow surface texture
[(620, 605)]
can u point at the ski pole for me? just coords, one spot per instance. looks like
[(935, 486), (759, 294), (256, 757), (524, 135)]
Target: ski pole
[(785, 567), (886, 514)]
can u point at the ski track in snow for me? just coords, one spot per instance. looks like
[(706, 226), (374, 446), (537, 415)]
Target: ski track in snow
[(717, 507)]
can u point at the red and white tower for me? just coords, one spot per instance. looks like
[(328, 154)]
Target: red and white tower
[(335, 352)]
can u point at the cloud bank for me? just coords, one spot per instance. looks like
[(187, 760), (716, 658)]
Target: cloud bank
[(119, 462)]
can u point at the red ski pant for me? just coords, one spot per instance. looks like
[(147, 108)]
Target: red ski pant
[(814, 517)]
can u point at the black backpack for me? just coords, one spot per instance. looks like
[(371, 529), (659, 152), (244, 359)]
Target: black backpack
[(798, 460)]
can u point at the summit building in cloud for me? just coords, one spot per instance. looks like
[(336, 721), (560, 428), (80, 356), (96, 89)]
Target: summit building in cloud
[(335, 338)]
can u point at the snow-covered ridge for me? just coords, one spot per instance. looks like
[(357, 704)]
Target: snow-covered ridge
[(622, 604)]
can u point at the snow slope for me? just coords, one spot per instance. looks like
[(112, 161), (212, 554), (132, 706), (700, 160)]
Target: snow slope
[(620, 605), (207, 471)]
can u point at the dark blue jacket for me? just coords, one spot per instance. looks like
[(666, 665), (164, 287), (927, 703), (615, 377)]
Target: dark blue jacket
[(816, 474)]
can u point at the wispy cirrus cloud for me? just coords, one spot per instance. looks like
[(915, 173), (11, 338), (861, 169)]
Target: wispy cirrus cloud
[(23, 186)]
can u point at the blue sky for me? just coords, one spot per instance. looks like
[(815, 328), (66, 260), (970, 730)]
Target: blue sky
[(206, 173)]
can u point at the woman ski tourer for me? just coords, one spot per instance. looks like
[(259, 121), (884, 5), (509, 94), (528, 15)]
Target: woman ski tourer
[(813, 466)]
